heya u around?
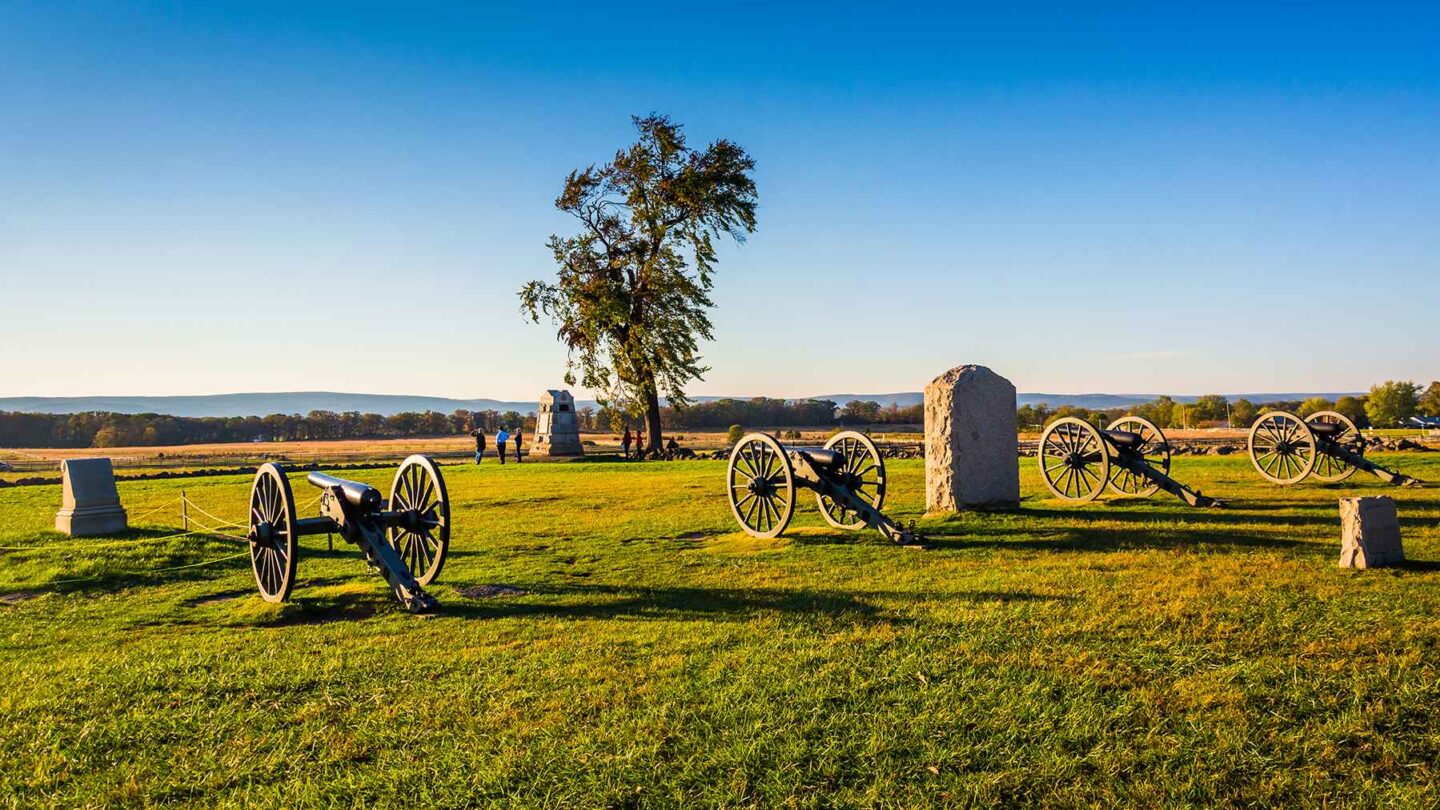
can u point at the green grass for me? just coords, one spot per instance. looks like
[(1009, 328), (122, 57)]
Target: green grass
[(1126, 652)]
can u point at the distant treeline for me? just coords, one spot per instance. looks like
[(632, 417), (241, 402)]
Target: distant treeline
[(720, 414), (100, 429), (103, 429), (1387, 405)]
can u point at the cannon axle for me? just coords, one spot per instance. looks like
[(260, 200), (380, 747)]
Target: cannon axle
[(847, 476), (1286, 449), (405, 537), (1079, 461)]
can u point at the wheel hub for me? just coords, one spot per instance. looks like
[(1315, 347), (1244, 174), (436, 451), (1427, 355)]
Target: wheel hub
[(759, 486), (263, 533)]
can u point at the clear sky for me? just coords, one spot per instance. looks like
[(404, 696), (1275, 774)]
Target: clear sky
[(214, 197)]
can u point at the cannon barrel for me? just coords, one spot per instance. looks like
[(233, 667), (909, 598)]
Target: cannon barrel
[(361, 495)]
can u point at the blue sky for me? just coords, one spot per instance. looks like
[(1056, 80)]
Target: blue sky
[(216, 197)]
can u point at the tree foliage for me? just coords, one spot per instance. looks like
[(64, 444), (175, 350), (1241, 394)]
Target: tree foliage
[(633, 289), (1429, 404), (1392, 402), (1242, 413), (1209, 408), (1353, 408)]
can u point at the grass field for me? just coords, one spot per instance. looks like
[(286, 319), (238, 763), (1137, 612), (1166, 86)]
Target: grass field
[(1128, 652)]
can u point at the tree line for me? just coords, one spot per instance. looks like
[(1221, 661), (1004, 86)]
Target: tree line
[(764, 412), (1388, 404), (104, 429)]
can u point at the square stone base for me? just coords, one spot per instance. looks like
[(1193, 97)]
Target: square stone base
[(557, 450), (91, 522)]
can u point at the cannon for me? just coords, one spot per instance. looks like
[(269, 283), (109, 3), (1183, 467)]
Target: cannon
[(405, 537), (1130, 457), (1327, 446), (847, 476)]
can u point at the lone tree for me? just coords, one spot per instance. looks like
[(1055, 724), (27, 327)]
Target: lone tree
[(633, 288), (1392, 402)]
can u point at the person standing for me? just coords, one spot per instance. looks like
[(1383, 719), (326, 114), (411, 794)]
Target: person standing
[(639, 444), (500, 439), (625, 442), (479, 445), (519, 440)]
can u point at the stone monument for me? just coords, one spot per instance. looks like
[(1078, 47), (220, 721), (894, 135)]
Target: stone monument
[(557, 428), (970, 441), (90, 504), (1369, 533)]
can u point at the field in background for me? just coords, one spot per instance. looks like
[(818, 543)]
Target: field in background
[(29, 463), (1128, 652), (45, 461)]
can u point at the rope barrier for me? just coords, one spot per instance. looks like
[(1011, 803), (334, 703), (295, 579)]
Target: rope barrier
[(75, 547), (127, 542), (136, 573), (219, 533), (214, 532), (221, 521), (154, 511)]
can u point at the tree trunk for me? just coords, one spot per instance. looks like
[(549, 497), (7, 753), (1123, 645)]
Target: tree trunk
[(652, 420)]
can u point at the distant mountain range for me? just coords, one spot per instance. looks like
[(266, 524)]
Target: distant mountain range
[(259, 404)]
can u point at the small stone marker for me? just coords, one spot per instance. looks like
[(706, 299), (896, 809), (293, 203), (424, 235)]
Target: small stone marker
[(1369, 533), (90, 505), (557, 428), (970, 438)]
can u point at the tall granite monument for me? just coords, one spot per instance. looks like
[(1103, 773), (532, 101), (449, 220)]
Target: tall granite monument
[(90, 504), (557, 428), (970, 441)]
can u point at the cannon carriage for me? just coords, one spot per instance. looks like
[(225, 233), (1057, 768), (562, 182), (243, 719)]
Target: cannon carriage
[(404, 537), (1326, 446), (847, 476), (1079, 461)]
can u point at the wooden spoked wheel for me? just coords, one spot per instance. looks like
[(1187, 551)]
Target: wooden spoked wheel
[(1329, 469), (1074, 460), (423, 538), (1153, 447), (1282, 447), (761, 485), (862, 472), (272, 533)]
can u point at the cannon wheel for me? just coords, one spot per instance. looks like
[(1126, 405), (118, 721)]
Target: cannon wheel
[(863, 474), (272, 533), (422, 545), (1282, 447), (1329, 469), (761, 485), (1154, 448), (1074, 460)]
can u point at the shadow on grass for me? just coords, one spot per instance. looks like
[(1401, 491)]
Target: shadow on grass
[(956, 536), (671, 603)]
